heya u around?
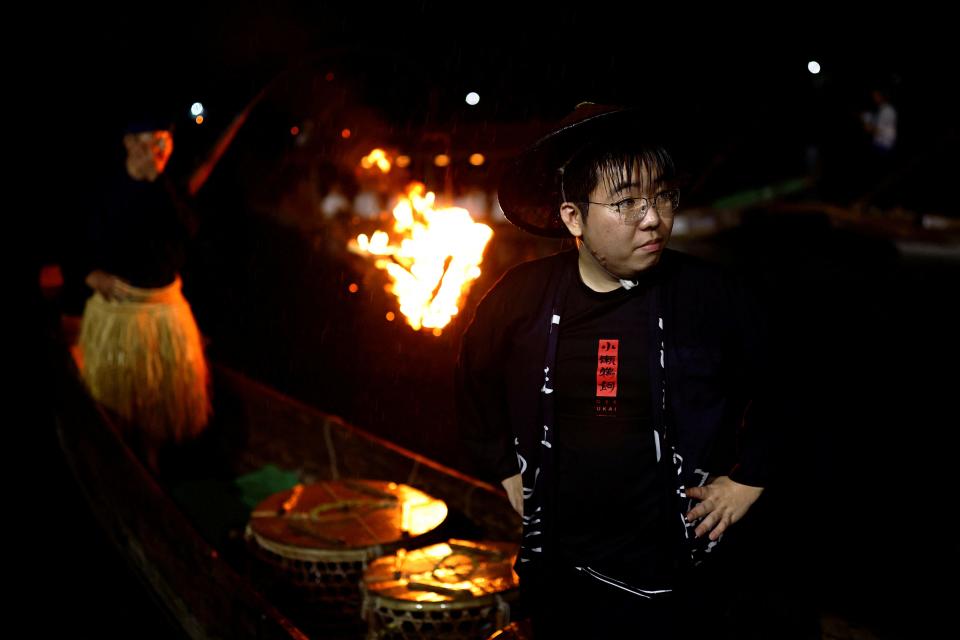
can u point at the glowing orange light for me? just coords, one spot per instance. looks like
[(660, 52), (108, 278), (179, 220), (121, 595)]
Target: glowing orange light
[(353, 288), (403, 161), (442, 160), (345, 134), (390, 316), (377, 158), (199, 119), (431, 256), (477, 159), (294, 498), (419, 512)]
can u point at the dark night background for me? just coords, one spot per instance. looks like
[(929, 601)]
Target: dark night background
[(865, 323)]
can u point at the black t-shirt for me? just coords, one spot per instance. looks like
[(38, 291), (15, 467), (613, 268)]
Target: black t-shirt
[(610, 502)]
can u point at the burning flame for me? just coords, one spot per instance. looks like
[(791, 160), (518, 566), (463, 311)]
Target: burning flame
[(434, 261)]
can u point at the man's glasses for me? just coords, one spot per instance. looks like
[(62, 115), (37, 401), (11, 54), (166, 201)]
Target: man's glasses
[(633, 209)]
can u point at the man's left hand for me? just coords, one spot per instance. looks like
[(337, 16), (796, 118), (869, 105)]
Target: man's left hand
[(722, 502)]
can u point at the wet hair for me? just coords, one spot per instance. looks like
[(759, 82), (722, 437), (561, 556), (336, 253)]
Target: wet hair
[(613, 163)]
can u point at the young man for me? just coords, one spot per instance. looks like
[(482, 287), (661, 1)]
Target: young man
[(603, 387)]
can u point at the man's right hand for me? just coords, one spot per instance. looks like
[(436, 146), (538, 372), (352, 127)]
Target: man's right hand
[(107, 285), (514, 487)]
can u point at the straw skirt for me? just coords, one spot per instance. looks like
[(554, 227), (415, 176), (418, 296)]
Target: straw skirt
[(143, 359)]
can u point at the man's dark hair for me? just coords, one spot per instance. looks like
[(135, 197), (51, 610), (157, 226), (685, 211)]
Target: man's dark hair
[(613, 162)]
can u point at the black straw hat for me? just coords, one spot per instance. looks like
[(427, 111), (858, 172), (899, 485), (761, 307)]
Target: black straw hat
[(530, 190)]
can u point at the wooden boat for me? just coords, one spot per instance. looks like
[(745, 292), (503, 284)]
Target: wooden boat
[(182, 531)]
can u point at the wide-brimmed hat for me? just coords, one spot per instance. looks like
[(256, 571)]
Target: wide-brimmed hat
[(530, 190), (149, 120), (153, 109)]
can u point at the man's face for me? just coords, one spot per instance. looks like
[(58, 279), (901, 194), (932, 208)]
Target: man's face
[(147, 153), (625, 249)]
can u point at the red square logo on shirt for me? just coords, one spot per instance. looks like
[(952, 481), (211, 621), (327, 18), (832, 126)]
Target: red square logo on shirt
[(607, 365)]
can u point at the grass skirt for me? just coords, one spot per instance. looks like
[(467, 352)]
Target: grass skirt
[(143, 359)]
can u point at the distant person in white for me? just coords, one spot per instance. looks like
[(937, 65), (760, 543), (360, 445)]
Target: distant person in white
[(881, 123)]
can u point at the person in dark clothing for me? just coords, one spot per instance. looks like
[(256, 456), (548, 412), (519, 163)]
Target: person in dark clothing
[(140, 351), (614, 390)]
